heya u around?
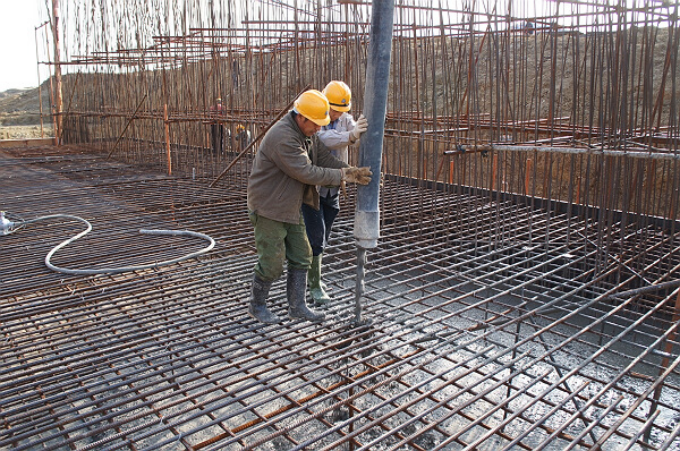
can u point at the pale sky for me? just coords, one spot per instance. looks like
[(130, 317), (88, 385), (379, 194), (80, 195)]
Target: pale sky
[(18, 19), (18, 64)]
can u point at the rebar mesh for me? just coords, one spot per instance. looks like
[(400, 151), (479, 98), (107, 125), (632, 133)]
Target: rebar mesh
[(523, 339), (524, 292)]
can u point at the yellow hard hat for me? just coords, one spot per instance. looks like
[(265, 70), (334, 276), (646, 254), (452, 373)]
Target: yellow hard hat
[(339, 95), (314, 106)]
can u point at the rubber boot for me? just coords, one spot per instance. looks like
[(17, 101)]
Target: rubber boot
[(316, 288), (258, 302), (296, 288)]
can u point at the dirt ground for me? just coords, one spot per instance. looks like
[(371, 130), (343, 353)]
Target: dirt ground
[(24, 131)]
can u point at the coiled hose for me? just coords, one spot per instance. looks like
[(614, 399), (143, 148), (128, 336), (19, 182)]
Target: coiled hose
[(12, 227)]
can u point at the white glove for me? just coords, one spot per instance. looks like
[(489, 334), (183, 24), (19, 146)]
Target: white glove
[(360, 127), (362, 176)]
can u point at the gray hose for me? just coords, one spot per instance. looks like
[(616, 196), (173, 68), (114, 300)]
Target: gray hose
[(121, 269)]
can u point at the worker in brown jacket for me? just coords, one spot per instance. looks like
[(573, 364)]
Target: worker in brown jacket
[(290, 162)]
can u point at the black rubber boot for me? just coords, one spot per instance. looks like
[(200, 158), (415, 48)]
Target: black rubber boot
[(258, 302), (296, 288)]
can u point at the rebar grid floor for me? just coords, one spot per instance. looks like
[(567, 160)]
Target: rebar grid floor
[(495, 326)]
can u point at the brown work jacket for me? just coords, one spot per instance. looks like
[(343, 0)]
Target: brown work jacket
[(287, 168)]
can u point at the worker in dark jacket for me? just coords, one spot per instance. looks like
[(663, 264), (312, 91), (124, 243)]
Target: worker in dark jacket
[(217, 128), (290, 162)]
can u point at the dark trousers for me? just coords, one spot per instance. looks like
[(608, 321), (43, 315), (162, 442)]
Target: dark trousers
[(217, 133), (319, 222)]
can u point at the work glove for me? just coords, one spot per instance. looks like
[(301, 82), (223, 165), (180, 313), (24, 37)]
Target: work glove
[(362, 176), (360, 127)]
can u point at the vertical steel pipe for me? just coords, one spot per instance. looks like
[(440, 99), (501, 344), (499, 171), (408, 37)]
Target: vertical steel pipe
[(367, 219)]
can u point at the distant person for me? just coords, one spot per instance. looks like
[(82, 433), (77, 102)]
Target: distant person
[(217, 130), (338, 135), (290, 161), (235, 72), (243, 136), (529, 27)]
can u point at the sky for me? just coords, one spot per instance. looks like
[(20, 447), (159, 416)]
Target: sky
[(18, 19)]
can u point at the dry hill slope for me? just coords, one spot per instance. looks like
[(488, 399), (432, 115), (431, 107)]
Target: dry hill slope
[(20, 113)]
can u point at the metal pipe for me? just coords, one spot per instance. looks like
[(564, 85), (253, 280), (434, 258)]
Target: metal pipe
[(367, 219), (461, 150)]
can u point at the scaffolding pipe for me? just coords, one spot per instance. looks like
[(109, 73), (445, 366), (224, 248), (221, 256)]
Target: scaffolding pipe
[(483, 148)]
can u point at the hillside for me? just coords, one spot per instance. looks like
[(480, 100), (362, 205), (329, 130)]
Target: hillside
[(20, 113)]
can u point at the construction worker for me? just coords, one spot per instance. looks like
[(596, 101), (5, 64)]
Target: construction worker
[(243, 136), (338, 135), (288, 164), (217, 128)]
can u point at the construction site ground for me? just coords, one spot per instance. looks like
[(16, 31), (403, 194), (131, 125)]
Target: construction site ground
[(506, 338)]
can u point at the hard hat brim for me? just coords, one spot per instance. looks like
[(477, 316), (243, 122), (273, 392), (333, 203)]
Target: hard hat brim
[(341, 108), (325, 121)]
